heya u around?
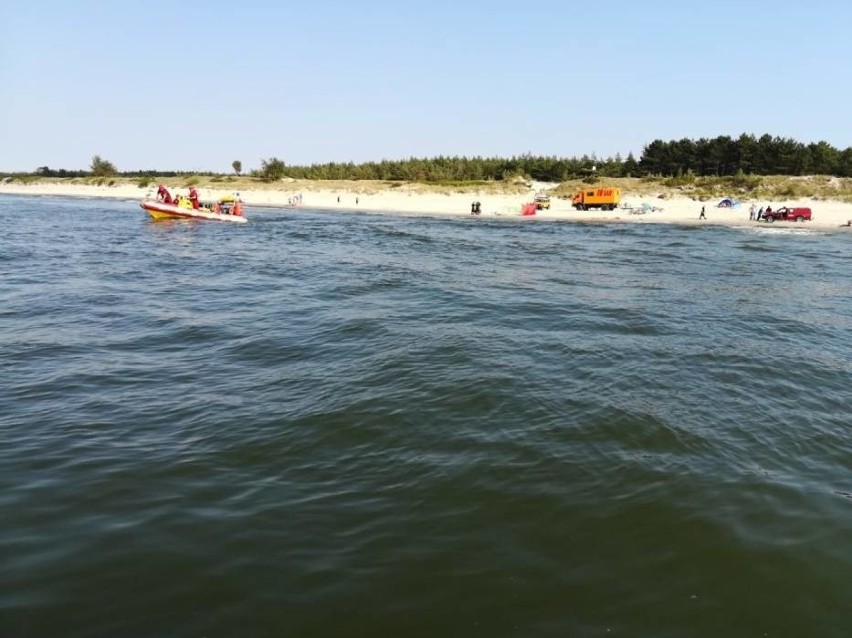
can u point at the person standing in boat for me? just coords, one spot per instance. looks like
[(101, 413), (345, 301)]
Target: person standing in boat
[(193, 197), (163, 194)]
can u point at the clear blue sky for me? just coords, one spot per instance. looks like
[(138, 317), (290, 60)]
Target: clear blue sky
[(194, 85)]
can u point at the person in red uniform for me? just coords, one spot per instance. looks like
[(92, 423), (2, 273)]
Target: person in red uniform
[(193, 197), (163, 195)]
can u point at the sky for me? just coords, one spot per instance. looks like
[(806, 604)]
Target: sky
[(195, 85)]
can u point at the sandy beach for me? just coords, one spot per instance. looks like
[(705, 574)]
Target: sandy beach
[(413, 199)]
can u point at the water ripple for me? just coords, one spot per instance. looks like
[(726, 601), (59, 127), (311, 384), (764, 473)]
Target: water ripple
[(364, 424)]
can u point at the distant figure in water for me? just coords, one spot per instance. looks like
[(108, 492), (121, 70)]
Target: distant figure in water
[(163, 195), (702, 215), (193, 197)]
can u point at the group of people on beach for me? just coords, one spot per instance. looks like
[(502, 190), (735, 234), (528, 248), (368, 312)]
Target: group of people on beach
[(753, 214), (758, 215)]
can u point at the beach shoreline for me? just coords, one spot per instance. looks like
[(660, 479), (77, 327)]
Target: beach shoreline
[(407, 199)]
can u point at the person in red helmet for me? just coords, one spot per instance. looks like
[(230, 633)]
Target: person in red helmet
[(163, 194), (193, 197)]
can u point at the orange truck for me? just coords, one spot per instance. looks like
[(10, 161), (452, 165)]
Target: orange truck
[(605, 198)]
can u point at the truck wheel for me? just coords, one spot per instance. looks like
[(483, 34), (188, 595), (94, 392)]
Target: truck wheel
[(800, 218), (769, 219)]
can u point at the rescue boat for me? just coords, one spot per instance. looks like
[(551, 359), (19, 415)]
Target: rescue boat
[(227, 209)]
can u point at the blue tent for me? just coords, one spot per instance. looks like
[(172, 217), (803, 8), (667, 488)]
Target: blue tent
[(728, 202)]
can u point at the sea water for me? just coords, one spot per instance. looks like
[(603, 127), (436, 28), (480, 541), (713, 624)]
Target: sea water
[(370, 425)]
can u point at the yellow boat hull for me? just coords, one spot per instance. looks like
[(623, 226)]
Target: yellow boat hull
[(159, 210)]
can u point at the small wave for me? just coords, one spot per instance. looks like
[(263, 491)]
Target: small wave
[(776, 231), (758, 248)]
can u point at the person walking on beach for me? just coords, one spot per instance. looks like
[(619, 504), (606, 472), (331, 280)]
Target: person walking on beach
[(751, 212), (702, 215)]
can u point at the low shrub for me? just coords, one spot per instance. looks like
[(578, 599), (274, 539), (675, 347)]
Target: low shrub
[(680, 180), (792, 191), (744, 182)]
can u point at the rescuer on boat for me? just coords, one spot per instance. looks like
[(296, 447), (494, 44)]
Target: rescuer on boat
[(193, 197), (163, 194)]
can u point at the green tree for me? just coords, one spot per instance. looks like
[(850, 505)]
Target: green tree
[(272, 169), (748, 161), (824, 158), (237, 165), (844, 168), (631, 166), (101, 167)]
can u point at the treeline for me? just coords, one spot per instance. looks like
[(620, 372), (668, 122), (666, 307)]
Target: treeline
[(46, 171), (456, 169), (719, 156), (747, 154)]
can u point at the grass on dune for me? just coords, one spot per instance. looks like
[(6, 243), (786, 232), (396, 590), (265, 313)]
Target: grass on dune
[(744, 187)]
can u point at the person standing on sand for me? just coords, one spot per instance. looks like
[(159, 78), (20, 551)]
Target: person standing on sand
[(751, 212), (702, 216)]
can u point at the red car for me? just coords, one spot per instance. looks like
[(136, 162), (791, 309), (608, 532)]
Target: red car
[(789, 215)]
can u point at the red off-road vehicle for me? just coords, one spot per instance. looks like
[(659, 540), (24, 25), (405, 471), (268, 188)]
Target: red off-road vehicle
[(789, 215)]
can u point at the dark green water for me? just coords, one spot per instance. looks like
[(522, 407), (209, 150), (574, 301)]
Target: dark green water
[(365, 425)]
